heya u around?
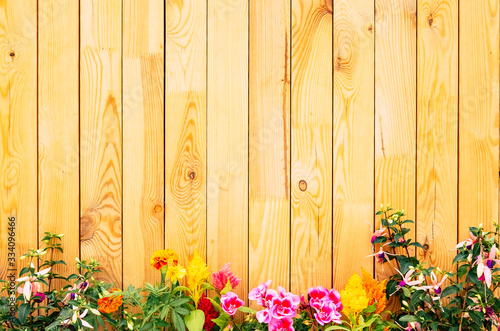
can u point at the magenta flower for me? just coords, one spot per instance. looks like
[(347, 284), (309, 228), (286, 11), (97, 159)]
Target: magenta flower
[(317, 293), (230, 303), (381, 256), (378, 233), (30, 283), (334, 297), (411, 326), (285, 324), (283, 308), (258, 293), (220, 278), (263, 316), (284, 294)]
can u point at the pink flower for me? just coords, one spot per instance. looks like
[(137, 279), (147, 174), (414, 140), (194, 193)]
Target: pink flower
[(325, 314), (381, 256), (258, 293), (282, 308), (30, 283), (484, 266), (284, 294), (263, 316), (317, 293), (220, 278), (435, 285), (468, 243), (378, 233), (285, 324), (230, 303), (411, 326), (334, 297)]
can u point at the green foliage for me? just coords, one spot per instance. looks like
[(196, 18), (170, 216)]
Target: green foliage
[(436, 299)]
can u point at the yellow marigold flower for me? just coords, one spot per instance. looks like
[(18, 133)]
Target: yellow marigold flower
[(163, 257), (198, 272), (375, 291), (354, 297), (175, 273)]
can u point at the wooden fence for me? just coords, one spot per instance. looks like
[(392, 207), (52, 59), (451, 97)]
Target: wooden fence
[(260, 132)]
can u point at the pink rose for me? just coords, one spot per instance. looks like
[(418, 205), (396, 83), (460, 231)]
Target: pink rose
[(230, 303)]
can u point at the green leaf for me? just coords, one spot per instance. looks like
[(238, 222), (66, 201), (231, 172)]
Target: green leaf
[(207, 286), (216, 305), (24, 311), (247, 310), (180, 288), (195, 320), (226, 288), (222, 320), (434, 326), (450, 290), (179, 302), (406, 291), (417, 244), (477, 317), (408, 318), (336, 327), (179, 323), (380, 240)]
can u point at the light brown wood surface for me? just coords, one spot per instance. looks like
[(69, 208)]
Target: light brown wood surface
[(311, 139), (186, 128), (479, 115), (353, 155), (101, 136), (269, 143), (143, 128), (18, 118), (227, 138), (58, 139), (395, 109), (437, 131)]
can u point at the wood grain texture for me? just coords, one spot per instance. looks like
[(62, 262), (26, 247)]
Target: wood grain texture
[(143, 130), (227, 138), (185, 128), (58, 114), (311, 141), (18, 122), (101, 136), (437, 129), (354, 130), (269, 143), (478, 114), (395, 108)]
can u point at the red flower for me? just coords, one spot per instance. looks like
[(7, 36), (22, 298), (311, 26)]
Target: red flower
[(209, 311)]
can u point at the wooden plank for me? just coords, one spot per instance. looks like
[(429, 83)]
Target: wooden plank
[(143, 151), (100, 135), (311, 139), (354, 130), (269, 143), (18, 123), (479, 114), (58, 146), (395, 109), (227, 138), (185, 128), (437, 123)]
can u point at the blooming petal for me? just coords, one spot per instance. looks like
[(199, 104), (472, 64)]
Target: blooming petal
[(43, 272), (480, 269), (487, 276), (86, 324), (27, 290)]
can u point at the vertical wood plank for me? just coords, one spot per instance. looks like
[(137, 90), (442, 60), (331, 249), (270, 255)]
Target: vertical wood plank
[(311, 139), (185, 128), (143, 151), (269, 142), (100, 135), (395, 108), (227, 137), (478, 114), (18, 122), (353, 138), (437, 123), (58, 147)]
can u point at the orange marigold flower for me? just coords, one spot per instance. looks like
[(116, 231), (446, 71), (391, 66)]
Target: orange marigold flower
[(375, 291), (163, 257), (110, 304)]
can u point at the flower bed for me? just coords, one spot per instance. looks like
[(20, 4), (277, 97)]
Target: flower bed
[(195, 299)]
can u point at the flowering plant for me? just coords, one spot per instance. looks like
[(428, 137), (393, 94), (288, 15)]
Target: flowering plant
[(434, 299)]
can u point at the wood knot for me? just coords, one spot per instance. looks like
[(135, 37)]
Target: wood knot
[(192, 175), (303, 185), (430, 20), (12, 54), (426, 247), (370, 28), (158, 208)]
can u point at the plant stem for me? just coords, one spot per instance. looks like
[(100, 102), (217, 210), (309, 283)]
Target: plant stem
[(392, 239)]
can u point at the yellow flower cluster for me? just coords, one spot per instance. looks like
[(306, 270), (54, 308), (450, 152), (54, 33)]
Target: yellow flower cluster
[(175, 273), (361, 293), (198, 272), (354, 298)]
